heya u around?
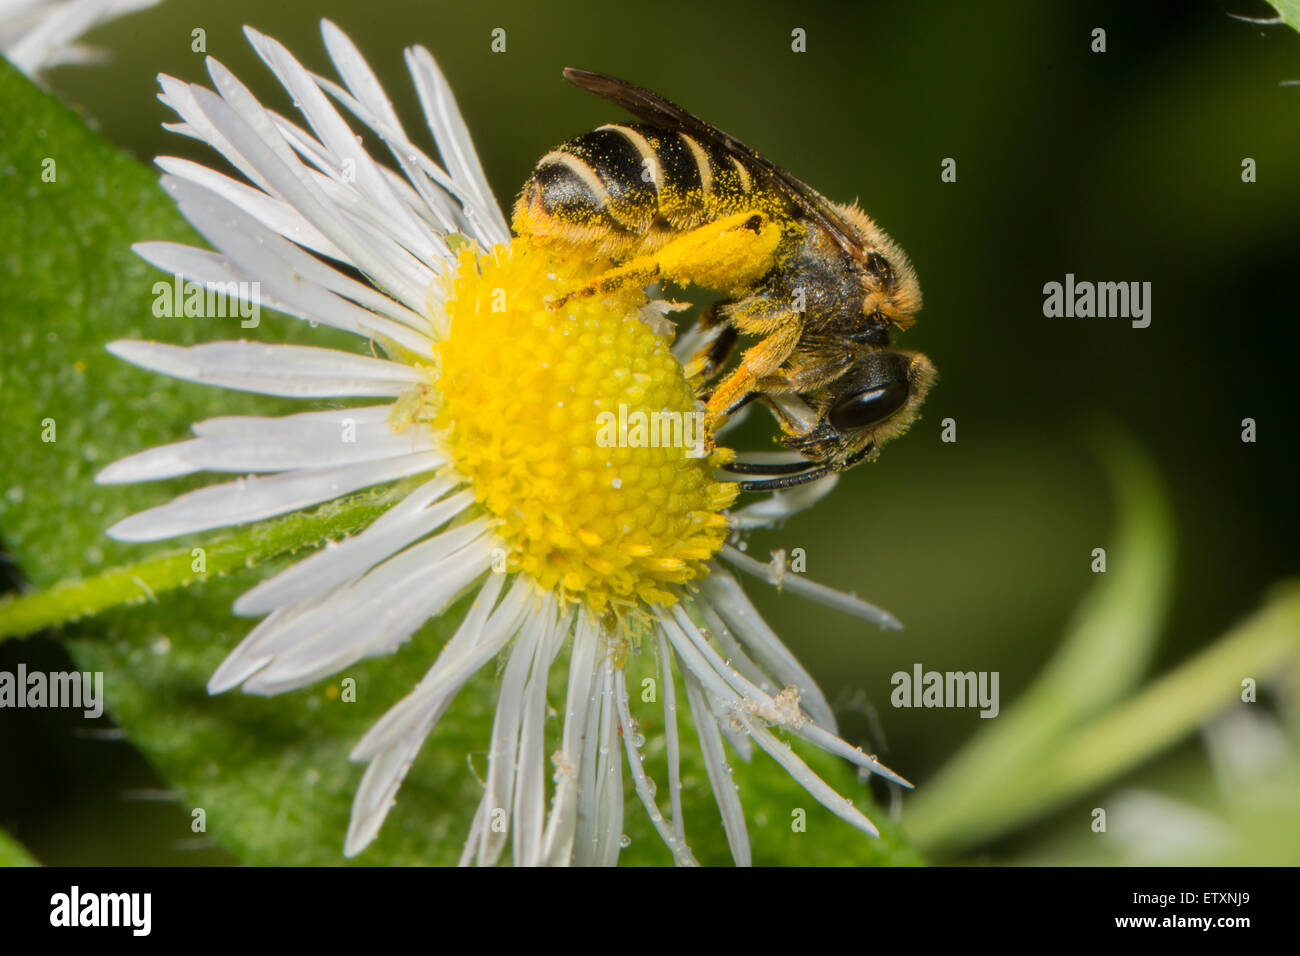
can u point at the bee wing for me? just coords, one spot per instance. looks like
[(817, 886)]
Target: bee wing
[(654, 109)]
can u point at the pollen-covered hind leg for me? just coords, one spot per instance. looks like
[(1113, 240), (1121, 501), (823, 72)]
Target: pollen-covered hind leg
[(727, 255), (638, 272)]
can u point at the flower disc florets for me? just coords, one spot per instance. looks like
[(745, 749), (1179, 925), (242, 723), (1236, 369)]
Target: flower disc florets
[(578, 431)]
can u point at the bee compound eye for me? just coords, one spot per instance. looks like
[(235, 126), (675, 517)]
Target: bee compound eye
[(869, 407), (877, 335)]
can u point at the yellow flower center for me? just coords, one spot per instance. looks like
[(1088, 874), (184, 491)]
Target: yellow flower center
[(578, 430)]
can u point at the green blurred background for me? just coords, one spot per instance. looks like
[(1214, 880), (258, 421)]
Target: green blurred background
[(1122, 166)]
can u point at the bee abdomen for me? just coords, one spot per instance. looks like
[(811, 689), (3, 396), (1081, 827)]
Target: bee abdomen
[(631, 178), (566, 190)]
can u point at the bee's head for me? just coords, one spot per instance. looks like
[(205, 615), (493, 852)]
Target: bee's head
[(875, 400), (891, 294)]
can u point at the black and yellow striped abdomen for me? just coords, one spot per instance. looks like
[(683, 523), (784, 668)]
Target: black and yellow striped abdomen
[(631, 187)]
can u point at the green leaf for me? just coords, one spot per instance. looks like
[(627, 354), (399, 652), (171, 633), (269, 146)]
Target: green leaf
[(1101, 658), (13, 853), (1289, 12), (271, 776), (1174, 705)]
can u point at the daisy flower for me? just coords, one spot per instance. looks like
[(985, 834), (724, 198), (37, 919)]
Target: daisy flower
[(38, 34), (483, 411)]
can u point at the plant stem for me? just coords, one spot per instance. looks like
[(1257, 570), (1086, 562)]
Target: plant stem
[(145, 580), (1129, 733)]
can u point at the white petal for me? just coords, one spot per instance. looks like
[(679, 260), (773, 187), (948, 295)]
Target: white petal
[(595, 758), (317, 623), (797, 584), (358, 76), (334, 566), (563, 822), (700, 660), (681, 852), (715, 764), (413, 245), (608, 834), (454, 142), (419, 711), (693, 661), (366, 99), (287, 272), (377, 792), (270, 144), (342, 444), (427, 188), (165, 461), (729, 600), (50, 41), (473, 836), (821, 791), (478, 640), (374, 615), (324, 423), (179, 96), (252, 499), (342, 143), (293, 371), (499, 791), (730, 728), (275, 214), (739, 689), (238, 116), (214, 271), (671, 741), (530, 782), (734, 654)]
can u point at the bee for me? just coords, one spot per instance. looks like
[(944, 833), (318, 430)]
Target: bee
[(818, 283)]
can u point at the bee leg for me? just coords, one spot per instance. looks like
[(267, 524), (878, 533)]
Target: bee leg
[(759, 361), (792, 413), (716, 355), (726, 255), (711, 356), (637, 272), (818, 362)]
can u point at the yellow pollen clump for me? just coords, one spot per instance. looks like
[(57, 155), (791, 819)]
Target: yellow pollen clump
[(528, 403)]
